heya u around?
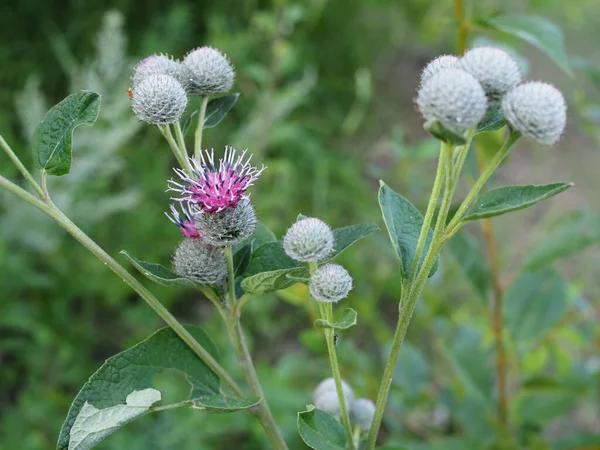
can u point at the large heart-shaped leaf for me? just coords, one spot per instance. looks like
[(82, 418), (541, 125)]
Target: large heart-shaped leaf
[(538, 31), (53, 138), (512, 198), (126, 382), (321, 431), (403, 221)]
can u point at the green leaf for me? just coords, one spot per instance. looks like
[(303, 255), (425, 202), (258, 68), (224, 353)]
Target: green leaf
[(222, 404), (262, 236), (321, 431), (472, 262), (492, 121), (186, 122), (128, 377), (218, 108), (404, 223), (159, 274), (534, 303), (439, 131), (53, 138), (538, 31), (347, 236), (241, 259), (571, 235), (344, 320), (92, 425), (502, 200), (412, 372), (270, 257), (264, 282)]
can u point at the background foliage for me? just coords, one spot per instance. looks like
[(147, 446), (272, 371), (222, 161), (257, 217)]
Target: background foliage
[(326, 103)]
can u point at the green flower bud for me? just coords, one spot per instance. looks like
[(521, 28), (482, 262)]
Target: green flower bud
[(495, 69), (230, 226), (308, 240), (325, 397), (437, 65), (330, 283), (200, 262), (159, 100), (210, 71)]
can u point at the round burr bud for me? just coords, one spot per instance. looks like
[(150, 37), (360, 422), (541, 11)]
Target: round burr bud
[(495, 69), (330, 283), (325, 397), (537, 110), (160, 65), (453, 97), (210, 71), (228, 227), (308, 240), (362, 412), (159, 100), (438, 64), (200, 262)]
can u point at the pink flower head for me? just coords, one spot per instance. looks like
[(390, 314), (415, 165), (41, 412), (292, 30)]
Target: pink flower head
[(184, 221), (213, 190)]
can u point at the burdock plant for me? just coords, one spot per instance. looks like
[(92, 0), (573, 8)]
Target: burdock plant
[(221, 255)]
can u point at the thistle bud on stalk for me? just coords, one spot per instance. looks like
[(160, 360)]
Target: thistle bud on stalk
[(199, 262), (210, 71), (325, 396), (228, 227), (537, 110), (362, 412), (453, 97), (160, 65), (495, 69), (438, 64), (330, 283), (159, 100), (308, 240)]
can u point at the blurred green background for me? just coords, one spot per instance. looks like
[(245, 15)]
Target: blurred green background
[(326, 103)]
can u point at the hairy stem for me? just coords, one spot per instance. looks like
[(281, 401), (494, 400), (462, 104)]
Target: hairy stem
[(236, 335), (181, 158), (411, 293), (58, 216), (327, 314), (17, 162), (459, 14), (200, 127)]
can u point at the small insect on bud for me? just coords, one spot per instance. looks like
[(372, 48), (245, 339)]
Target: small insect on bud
[(160, 65), (330, 283), (308, 240), (159, 100), (210, 71), (325, 397), (200, 262), (362, 412), (537, 110), (495, 69), (437, 65), (230, 226), (453, 97)]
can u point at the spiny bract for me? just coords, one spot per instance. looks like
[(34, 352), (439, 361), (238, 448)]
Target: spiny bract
[(200, 262), (495, 69), (308, 240), (438, 64), (228, 227), (453, 97), (330, 283), (210, 71), (537, 110), (159, 100)]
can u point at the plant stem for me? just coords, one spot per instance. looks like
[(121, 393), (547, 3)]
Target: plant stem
[(180, 138), (454, 224), (200, 128), (497, 318), (183, 161), (462, 26), (411, 293), (17, 162), (327, 314), (236, 335), (51, 210), (433, 199)]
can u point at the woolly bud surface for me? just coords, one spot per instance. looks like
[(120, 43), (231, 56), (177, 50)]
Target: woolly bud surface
[(308, 240), (495, 69), (438, 64), (159, 100), (210, 71), (453, 97), (200, 262), (330, 283), (363, 411), (537, 110), (228, 227), (325, 396), (160, 65)]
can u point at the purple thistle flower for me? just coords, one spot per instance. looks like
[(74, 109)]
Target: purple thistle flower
[(213, 190), (184, 221)]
